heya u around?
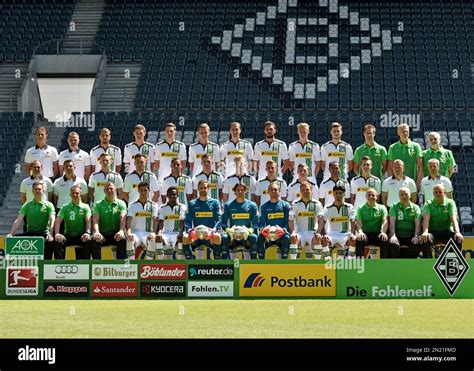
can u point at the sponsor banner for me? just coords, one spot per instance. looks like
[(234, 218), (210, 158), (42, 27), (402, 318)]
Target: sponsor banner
[(163, 289), (25, 246), (286, 280), (114, 289), (399, 278), (22, 281), (65, 271), (211, 289), (66, 289), (114, 271), (211, 272), (166, 272)]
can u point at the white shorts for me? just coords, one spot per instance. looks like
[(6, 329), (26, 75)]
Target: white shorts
[(170, 239), (140, 238), (338, 238), (306, 238)]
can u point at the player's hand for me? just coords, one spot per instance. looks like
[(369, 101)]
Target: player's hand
[(119, 235), (425, 237), (318, 236), (86, 237), (415, 240), (130, 237), (361, 236), (352, 237), (9, 235), (458, 237), (97, 237), (383, 236), (151, 236), (394, 240), (59, 237), (49, 238)]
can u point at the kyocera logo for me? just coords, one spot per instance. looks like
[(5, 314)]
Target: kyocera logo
[(315, 33), (254, 280)]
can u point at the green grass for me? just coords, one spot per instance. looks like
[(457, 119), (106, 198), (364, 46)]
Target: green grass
[(236, 319)]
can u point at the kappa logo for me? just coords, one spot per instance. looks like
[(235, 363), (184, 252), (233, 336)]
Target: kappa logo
[(451, 267), (331, 24), (254, 280)]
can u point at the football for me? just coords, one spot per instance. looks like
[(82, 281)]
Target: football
[(273, 232), (201, 232), (239, 232)]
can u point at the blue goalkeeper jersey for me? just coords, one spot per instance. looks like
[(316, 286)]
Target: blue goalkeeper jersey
[(275, 213), (206, 213), (236, 213)]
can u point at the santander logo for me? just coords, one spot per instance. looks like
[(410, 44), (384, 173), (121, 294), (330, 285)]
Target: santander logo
[(163, 272)]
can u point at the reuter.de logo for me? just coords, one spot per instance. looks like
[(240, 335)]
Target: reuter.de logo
[(451, 267), (114, 272), (163, 272), (22, 281), (216, 272)]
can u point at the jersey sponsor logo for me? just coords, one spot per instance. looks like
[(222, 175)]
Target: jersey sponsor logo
[(265, 192), (212, 186), (337, 219), (172, 217), (269, 153), (336, 154), (306, 214), (276, 215), (163, 271), (101, 184), (169, 154), (362, 189), (304, 155), (241, 216), (235, 152), (143, 214), (204, 214), (114, 289)]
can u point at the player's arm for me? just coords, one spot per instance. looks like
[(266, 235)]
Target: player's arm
[(225, 217), (84, 197), (217, 216), (225, 197), (256, 167), (255, 219), (389, 168), (457, 233), (16, 224), (285, 167), (160, 226), (413, 197), (123, 225), (392, 225), (125, 196), (356, 167), (385, 224), (350, 167), (358, 226), (353, 197), (188, 221), (27, 168), (257, 199), (55, 169), (156, 196), (384, 198), (51, 220), (57, 225), (291, 224), (87, 172), (23, 197), (419, 175), (129, 226)]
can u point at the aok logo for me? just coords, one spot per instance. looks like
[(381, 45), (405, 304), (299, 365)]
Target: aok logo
[(25, 246), (254, 280)]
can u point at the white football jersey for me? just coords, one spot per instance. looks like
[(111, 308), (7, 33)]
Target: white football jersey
[(165, 153), (264, 151), (171, 216), (294, 190), (359, 187), (114, 151), (305, 215), (229, 150), (130, 184), (342, 153), (261, 190), (183, 183), (131, 149), (98, 180), (196, 150), (246, 179), (339, 219), (325, 190), (216, 183), (47, 155), (142, 216), (308, 154)]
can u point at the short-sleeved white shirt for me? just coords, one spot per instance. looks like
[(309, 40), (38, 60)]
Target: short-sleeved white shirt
[(261, 190), (196, 150), (428, 183), (183, 183), (171, 216), (80, 158), (305, 215), (46, 155), (325, 190), (339, 219), (132, 149), (142, 216), (265, 151), (308, 154), (98, 180), (114, 151), (232, 180), (27, 183), (341, 152), (62, 189), (131, 181), (294, 190), (360, 185), (230, 150), (392, 186), (216, 183), (165, 153)]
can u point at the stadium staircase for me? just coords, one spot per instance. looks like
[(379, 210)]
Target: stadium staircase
[(118, 92), (86, 17), (11, 77), (12, 203)]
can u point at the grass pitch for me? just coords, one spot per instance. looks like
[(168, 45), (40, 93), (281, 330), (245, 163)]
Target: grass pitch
[(237, 319)]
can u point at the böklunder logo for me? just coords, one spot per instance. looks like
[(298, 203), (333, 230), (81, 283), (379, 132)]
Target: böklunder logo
[(163, 272)]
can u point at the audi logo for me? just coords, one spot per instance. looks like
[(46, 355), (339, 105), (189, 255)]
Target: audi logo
[(66, 269)]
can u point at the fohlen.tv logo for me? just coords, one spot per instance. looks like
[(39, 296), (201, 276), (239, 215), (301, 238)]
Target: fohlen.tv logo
[(254, 280)]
